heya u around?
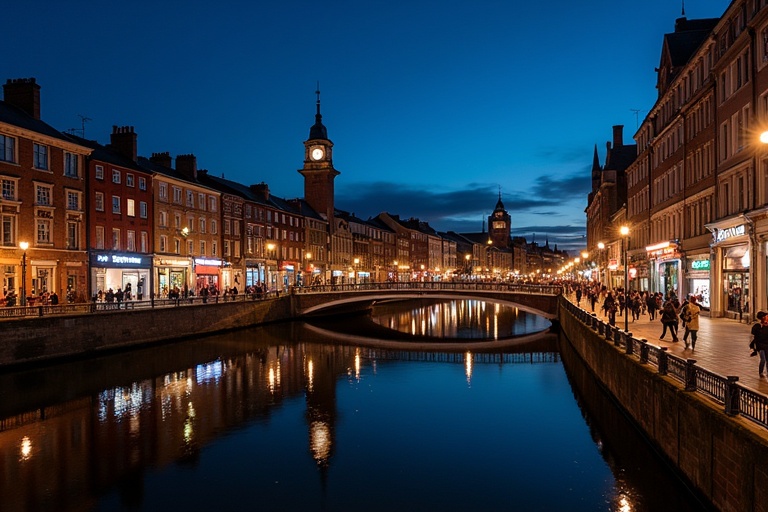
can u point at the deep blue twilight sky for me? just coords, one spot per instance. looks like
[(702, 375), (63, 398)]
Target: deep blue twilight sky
[(432, 106)]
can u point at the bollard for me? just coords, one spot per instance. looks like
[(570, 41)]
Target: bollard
[(629, 347), (690, 375), (39, 310), (608, 332), (644, 351), (663, 361), (601, 328), (593, 321), (732, 396)]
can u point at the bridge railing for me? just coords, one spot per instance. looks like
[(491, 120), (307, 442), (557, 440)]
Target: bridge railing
[(736, 399), (433, 285)]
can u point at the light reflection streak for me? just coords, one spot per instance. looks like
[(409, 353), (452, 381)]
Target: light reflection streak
[(25, 448), (310, 376), (320, 441), (357, 363), (468, 366)]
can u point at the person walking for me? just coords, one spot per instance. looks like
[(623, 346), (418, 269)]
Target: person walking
[(669, 321), (650, 303), (690, 316), (760, 339)]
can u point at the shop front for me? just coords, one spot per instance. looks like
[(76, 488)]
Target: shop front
[(208, 274), (665, 260), (172, 276), (254, 273), (698, 278), (127, 272), (731, 276)]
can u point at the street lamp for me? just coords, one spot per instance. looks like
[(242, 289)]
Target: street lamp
[(24, 246), (357, 262), (624, 230)]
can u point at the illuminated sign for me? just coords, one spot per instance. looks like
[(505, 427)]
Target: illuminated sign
[(700, 265), (724, 234), (207, 262), (118, 260)]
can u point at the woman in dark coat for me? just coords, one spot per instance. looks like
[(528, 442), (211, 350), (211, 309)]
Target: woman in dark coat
[(669, 320)]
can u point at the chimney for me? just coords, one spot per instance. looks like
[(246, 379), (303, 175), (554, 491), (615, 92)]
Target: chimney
[(261, 190), (23, 93), (163, 159), (187, 165), (618, 135), (123, 140)]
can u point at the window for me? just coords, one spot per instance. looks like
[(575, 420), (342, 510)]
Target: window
[(130, 207), (163, 243), (7, 148), (99, 172), (163, 219), (142, 183), (43, 231), (177, 220), (177, 195), (99, 237), (115, 204), (213, 226), (202, 247), (143, 209), (190, 247), (9, 189), (98, 199), (202, 225), (40, 153), (236, 225), (43, 195), (115, 176), (201, 201), (9, 230), (226, 248), (115, 239), (73, 200), (144, 242), (227, 226), (176, 246), (129, 180), (190, 199), (163, 191), (73, 238), (214, 248), (131, 241), (70, 165), (212, 203)]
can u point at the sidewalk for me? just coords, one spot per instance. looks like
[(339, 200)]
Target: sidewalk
[(722, 346)]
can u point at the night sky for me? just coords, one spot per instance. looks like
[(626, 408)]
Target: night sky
[(433, 107)]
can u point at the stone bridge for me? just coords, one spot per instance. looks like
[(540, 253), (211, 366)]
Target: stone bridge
[(337, 299)]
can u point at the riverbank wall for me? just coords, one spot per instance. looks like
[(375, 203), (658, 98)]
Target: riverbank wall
[(27, 341), (723, 457)]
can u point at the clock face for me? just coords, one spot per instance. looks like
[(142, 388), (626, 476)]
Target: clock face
[(498, 225), (317, 154)]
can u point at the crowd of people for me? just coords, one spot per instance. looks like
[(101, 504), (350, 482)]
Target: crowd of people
[(666, 307)]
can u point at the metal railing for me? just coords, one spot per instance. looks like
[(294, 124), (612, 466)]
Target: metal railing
[(737, 400), (95, 307)]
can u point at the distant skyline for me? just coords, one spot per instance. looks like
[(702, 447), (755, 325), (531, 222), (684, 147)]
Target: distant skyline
[(433, 107)]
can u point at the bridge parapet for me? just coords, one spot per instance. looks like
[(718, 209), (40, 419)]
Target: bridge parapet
[(318, 300)]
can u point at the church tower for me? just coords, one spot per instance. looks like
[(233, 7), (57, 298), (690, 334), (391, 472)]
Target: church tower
[(500, 225), (318, 168)]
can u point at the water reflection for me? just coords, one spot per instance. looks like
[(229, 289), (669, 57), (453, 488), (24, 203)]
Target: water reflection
[(257, 419), (457, 319)]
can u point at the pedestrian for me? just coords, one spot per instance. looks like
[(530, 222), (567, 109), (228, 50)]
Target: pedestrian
[(650, 303), (669, 321), (690, 316), (592, 299), (760, 339), (610, 307), (578, 296), (54, 298)]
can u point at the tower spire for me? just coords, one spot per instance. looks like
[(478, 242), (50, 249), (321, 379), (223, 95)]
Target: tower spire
[(318, 131), (683, 8)]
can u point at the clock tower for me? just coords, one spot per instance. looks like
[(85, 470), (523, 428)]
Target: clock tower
[(318, 168), (500, 225)]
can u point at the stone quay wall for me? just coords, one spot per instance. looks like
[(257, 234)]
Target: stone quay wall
[(724, 457), (33, 340)]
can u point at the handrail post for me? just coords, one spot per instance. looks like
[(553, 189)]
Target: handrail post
[(629, 348), (608, 332), (663, 361), (732, 396), (690, 375), (644, 351)]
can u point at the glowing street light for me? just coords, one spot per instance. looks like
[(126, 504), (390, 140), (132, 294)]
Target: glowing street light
[(24, 246), (624, 230)]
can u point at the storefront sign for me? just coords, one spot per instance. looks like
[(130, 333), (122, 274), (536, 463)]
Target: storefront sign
[(700, 265), (724, 234), (119, 260), (208, 262), (174, 263)]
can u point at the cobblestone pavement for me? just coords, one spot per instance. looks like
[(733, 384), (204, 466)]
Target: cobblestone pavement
[(722, 346)]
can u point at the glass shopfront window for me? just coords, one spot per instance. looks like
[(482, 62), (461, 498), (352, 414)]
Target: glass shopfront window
[(736, 278)]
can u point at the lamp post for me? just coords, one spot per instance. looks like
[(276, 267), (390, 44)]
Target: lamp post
[(624, 230), (357, 262), (270, 274), (24, 246), (396, 271)]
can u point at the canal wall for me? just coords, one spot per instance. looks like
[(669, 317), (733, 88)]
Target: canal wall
[(39, 339), (725, 458)]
